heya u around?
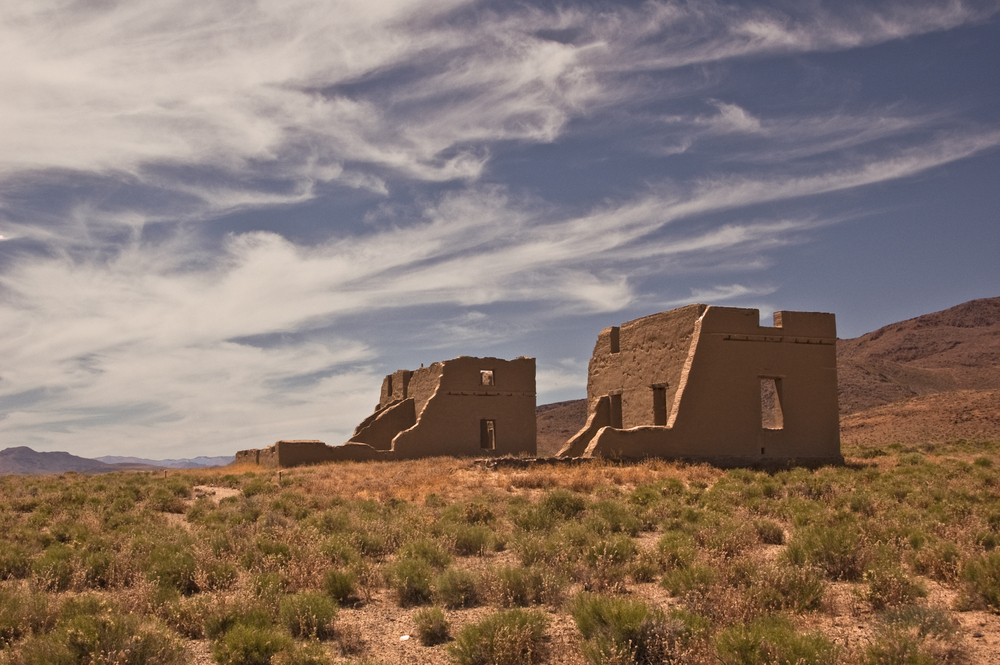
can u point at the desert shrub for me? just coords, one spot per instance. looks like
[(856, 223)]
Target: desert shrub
[(15, 561), (457, 588), (339, 551), (92, 632), (888, 586), (172, 564), (23, 612), (677, 549), (797, 588), (769, 533), (427, 550), (510, 637), (939, 560), (340, 584), (266, 554), (308, 614), (644, 568), (54, 568), (220, 575), (564, 503), (246, 645), (239, 611), (308, 653), (696, 577), (410, 579), (913, 634), (165, 501), (772, 639), (615, 550), (728, 539), (258, 485), (623, 630), (432, 626), (186, 614), (835, 549), (981, 583), (517, 586), (537, 517), (478, 513), (614, 517), (473, 540)]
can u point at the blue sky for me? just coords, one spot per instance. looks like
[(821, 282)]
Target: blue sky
[(223, 222)]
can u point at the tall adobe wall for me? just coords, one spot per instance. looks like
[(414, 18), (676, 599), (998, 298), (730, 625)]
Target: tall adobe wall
[(711, 383)]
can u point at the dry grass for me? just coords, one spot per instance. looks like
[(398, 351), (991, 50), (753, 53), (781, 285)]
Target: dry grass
[(859, 563)]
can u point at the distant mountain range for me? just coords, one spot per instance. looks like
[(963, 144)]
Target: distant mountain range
[(200, 462), (932, 378), (24, 460)]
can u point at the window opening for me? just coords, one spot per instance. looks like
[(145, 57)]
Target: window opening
[(486, 377), (660, 406), (616, 410), (615, 336), (487, 434), (771, 416)]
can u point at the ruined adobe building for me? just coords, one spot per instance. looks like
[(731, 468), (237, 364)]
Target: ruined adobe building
[(711, 383), (479, 407)]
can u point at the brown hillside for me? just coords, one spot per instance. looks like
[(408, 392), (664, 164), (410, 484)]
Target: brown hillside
[(557, 422), (956, 349)]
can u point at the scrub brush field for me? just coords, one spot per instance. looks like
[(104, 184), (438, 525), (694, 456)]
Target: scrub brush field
[(892, 558)]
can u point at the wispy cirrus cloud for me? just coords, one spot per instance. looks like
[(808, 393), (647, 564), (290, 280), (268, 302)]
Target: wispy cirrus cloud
[(129, 131)]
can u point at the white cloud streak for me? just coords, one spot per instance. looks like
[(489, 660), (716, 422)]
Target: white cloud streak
[(228, 105)]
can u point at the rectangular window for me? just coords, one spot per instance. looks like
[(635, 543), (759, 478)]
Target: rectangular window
[(660, 406), (486, 377), (615, 338), (616, 410), (487, 434), (771, 416)]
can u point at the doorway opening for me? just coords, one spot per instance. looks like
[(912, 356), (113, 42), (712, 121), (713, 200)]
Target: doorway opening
[(487, 434)]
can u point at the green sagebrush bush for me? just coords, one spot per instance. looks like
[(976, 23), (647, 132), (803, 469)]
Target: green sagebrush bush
[(889, 586), (308, 614), (340, 584), (427, 550), (15, 561), (623, 630), (772, 639), (981, 583), (837, 550), (247, 645), (92, 631), (913, 634), (24, 612), (410, 580), (517, 586), (509, 637), (456, 588), (473, 540), (432, 626)]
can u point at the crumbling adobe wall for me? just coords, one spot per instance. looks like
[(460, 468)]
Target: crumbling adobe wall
[(451, 420), (714, 397), (433, 411)]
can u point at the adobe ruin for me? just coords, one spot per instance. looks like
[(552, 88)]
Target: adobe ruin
[(483, 407), (710, 383)]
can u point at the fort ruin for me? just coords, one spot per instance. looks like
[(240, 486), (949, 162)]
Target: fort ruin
[(481, 407), (697, 383), (710, 383)]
